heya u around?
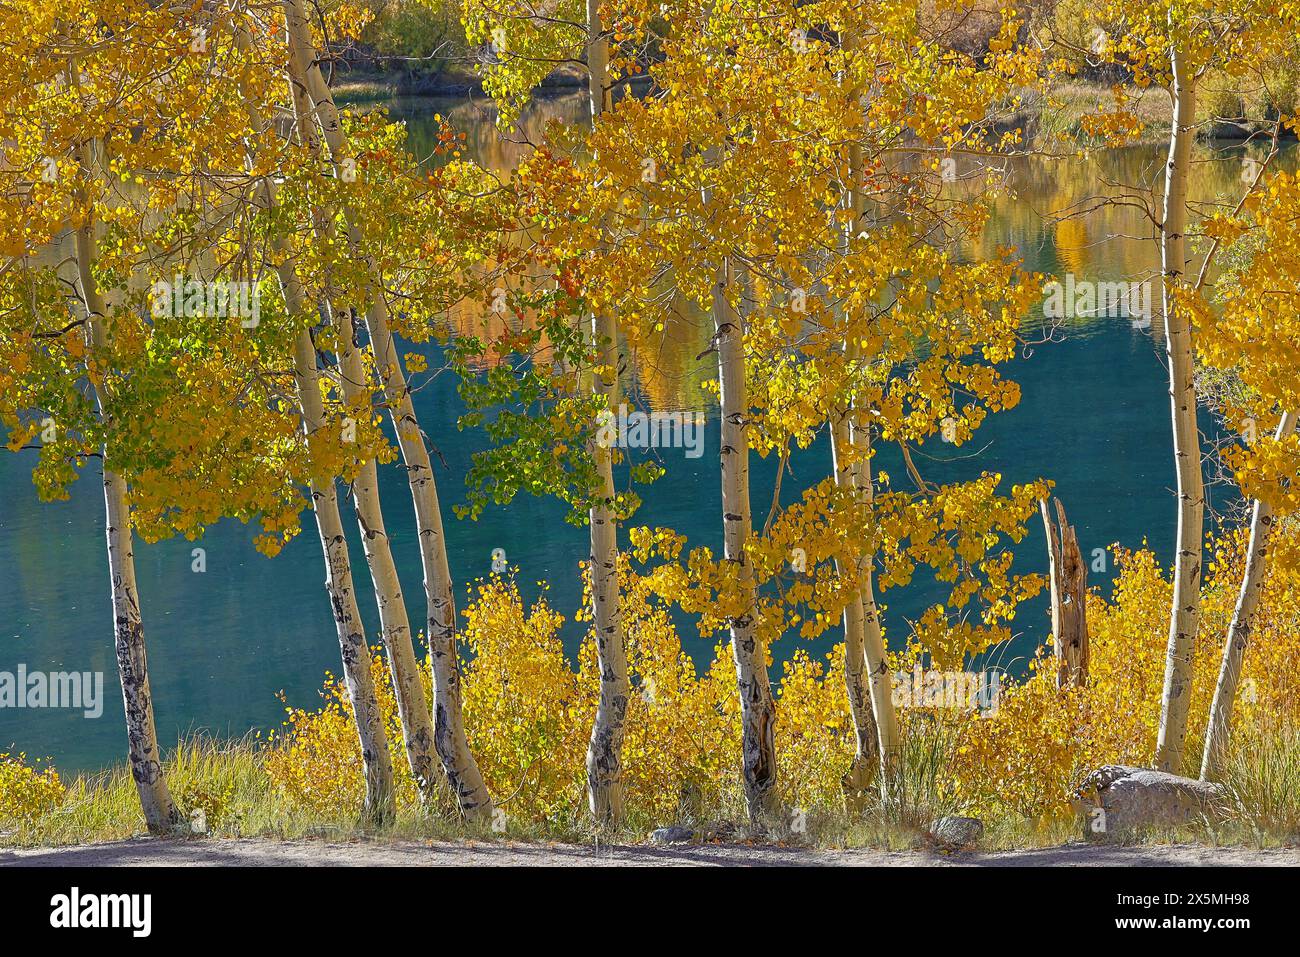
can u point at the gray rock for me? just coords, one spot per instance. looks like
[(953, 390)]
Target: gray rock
[(671, 835), (956, 831), (1117, 800)]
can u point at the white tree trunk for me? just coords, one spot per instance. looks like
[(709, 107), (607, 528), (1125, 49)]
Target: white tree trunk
[(449, 727), (143, 754), (605, 749), (757, 709), (873, 640), (1219, 729), (412, 706), (355, 652), (408, 690), (1186, 607), (866, 737), (380, 795), (450, 738)]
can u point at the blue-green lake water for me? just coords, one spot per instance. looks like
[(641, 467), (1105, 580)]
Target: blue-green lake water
[(1093, 417)]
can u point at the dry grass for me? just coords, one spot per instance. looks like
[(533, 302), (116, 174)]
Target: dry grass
[(224, 786)]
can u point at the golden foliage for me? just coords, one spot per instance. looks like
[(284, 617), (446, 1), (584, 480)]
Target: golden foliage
[(529, 712), (1034, 751), (526, 710), (27, 792), (314, 763)]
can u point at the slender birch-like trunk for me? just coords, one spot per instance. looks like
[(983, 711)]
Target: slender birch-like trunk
[(866, 743), (867, 668), (412, 706), (408, 690), (605, 749), (143, 753), (1186, 606), (1219, 729), (879, 683), (757, 709), (380, 796), (450, 738), (866, 737)]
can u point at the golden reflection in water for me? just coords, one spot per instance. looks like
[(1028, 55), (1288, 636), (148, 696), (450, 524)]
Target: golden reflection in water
[(1072, 244), (1092, 216), (666, 376)]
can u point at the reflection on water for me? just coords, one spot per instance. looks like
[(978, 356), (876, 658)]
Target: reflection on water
[(1093, 417), (1091, 217), (665, 379)]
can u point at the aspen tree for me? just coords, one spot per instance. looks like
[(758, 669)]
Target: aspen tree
[(76, 194), (449, 728), (605, 750), (1185, 615), (522, 45), (379, 800), (1253, 340), (143, 752), (380, 794), (1174, 43), (757, 707), (94, 105), (412, 708), (1262, 520), (866, 672)]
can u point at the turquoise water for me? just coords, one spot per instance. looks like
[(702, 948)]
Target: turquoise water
[(1093, 417)]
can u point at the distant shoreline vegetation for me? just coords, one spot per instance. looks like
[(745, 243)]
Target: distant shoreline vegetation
[(362, 83)]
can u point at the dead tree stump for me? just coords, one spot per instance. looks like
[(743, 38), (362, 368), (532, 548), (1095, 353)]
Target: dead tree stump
[(1069, 586)]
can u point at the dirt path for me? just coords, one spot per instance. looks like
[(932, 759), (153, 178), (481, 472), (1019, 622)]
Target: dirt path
[(145, 852)]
